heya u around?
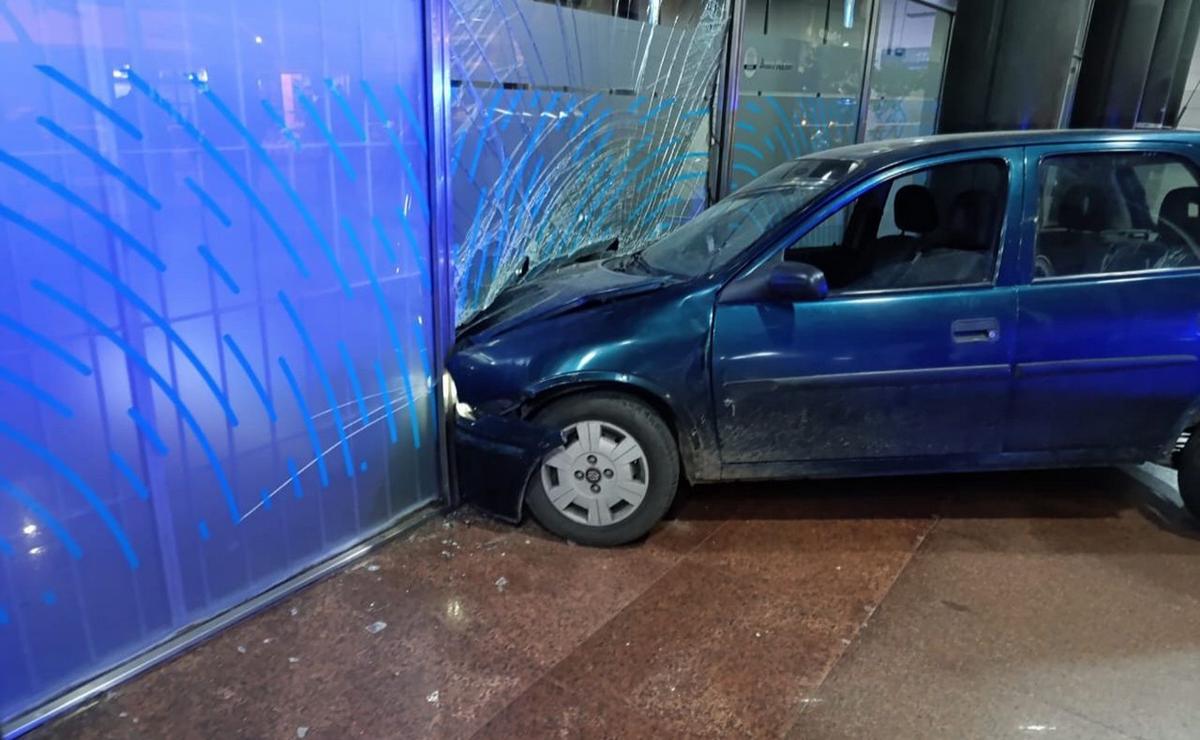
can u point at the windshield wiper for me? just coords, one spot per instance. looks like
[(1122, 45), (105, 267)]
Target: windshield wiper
[(632, 261)]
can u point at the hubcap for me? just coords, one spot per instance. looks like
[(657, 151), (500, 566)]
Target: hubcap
[(599, 477)]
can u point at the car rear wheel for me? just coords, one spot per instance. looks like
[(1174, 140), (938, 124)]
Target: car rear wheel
[(1188, 464), (614, 477)]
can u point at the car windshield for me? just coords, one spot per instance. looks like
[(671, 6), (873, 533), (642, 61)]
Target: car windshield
[(722, 232)]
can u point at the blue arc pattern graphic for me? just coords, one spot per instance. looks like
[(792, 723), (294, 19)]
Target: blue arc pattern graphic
[(330, 396), (158, 380), (93, 499), (79, 91), (123, 177), (208, 201), (218, 269), (226, 166), (319, 122), (282, 124), (344, 106), (278, 176), (149, 433), (135, 481), (46, 343), (314, 439), (128, 293), (35, 392), (259, 389), (217, 275), (70, 197), (42, 515)]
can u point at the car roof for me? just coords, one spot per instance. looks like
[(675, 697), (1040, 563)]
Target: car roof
[(882, 153)]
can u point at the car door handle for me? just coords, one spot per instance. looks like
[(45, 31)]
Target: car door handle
[(965, 331)]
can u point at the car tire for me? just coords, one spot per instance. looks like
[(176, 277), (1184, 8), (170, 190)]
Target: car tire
[(1188, 465), (578, 486)]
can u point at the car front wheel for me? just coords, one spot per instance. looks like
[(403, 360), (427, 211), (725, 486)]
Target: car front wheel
[(615, 476), (1188, 464)]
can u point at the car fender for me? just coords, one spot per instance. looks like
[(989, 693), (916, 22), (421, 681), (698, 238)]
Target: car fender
[(693, 427), (1188, 420)]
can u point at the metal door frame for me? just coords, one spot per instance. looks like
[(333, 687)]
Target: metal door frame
[(437, 59)]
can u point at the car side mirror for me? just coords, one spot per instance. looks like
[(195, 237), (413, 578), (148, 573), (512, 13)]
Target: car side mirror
[(798, 282)]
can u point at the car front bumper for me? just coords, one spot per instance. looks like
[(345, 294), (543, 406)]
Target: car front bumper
[(494, 459)]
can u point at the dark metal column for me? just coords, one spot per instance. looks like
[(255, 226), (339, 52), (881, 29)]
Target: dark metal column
[(1116, 60), (1010, 64), (1162, 92)]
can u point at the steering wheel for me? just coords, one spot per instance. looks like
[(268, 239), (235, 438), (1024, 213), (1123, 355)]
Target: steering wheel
[(1043, 267), (1183, 236)]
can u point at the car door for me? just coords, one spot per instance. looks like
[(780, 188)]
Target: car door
[(1109, 322), (909, 354)]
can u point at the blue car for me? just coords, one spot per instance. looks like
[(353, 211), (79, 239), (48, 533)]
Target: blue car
[(951, 303)]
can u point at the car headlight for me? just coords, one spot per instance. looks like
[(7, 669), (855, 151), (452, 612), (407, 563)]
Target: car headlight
[(450, 398)]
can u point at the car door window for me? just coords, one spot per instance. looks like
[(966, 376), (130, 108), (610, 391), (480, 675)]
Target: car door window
[(1119, 212), (935, 227)]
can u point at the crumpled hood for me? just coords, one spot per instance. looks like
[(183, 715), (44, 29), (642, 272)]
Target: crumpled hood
[(556, 291)]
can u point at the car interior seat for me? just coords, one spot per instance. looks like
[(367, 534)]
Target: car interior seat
[(915, 215), (1178, 227), (963, 252), (1177, 237), (1072, 244)]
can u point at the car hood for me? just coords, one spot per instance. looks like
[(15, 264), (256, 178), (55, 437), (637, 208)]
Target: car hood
[(556, 291)]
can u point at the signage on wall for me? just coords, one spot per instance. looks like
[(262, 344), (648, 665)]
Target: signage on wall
[(752, 61), (773, 65)]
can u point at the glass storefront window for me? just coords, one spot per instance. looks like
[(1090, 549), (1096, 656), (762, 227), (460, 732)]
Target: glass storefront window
[(801, 81), (906, 75), (802, 71)]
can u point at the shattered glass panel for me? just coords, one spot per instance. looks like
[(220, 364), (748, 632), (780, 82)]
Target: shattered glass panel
[(570, 126)]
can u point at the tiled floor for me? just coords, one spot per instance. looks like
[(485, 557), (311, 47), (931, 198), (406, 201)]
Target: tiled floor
[(1058, 604)]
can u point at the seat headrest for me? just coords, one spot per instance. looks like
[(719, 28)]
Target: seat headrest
[(915, 209), (1083, 208), (971, 223)]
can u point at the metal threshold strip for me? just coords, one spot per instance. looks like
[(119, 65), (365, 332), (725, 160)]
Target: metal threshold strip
[(190, 636)]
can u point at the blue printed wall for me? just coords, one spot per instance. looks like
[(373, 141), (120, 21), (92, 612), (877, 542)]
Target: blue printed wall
[(216, 326)]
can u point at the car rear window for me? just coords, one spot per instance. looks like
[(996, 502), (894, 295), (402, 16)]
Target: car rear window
[(1118, 212)]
